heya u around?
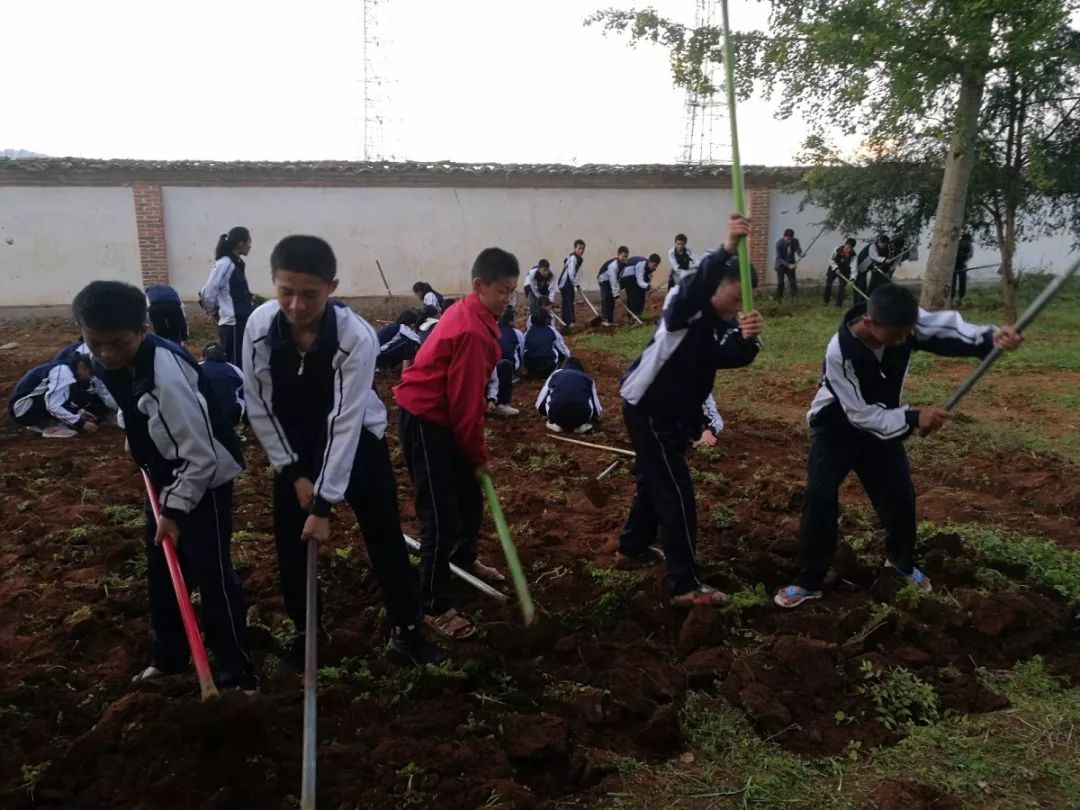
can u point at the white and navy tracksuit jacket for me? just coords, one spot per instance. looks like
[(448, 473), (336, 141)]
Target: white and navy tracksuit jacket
[(69, 351), (861, 386), (308, 410), (433, 299), (571, 393), (544, 347), (536, 286), (569, 275), (56, 391), (680, 264), (177, 431), (397, 342), (226, 292), (226, 382), (636, 271)]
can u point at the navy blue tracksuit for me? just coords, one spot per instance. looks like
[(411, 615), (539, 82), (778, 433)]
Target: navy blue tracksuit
[(226, 384), (569, 399), (545, 349), (662, 394), (397, 343), (166, 312)]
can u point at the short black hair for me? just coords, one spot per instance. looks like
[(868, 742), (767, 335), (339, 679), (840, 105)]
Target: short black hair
[(422, 288), (850, 242), (310, 255), (789, 232), (574, 363), (579, 242), (213, 353), (729, 273), (893, 305), (407, 318), (541, 319), (543, 263), (654, 258), (507, 318), (81, 360), (882, 237), (680, 237), (428, 311), (495, 263), (107, 306), (622, 249)]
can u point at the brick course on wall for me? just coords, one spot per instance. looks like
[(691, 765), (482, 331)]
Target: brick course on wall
[(758, 201), (150, 226)]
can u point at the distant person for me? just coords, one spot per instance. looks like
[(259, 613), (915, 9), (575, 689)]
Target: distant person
[(874, 265), (398, 342), (167, 314), (511, 348), (427, 320), (608, 279), (64, 394), (428, 297), (636, 279), (841, 265), (569, 399), (226, 295), (788, 253), (959, 276), (539, 286), (680, 259), (568, 280)]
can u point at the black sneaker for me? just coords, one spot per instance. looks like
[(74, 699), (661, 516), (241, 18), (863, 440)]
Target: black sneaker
[(295, 652), (413, 644), (246, 682)]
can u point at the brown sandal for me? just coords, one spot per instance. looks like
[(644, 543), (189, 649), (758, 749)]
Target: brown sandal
[(451, 625), (486, 572), (702, 595)]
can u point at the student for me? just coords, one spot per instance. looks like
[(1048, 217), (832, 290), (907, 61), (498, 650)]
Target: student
[(308, 385), (167, 314), (608, 278), (959, 276), (874, 266), (511, 341), (708, 424), (569, 399), (181, 437), (662, 392), (511, 347), (428, 320), (840, 267), (226, 295), (681, 260), (858, 423), (442, 433), (545, 348), (568, 280), (428, 297), (398, 342), (226, 382), (636, 279), (538, 286), (61, 393), (788, 253)]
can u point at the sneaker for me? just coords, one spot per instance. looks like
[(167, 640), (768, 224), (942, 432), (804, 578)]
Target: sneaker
[(295, 654), (247, 682), (701, 595), (155, 672), (629, 562), (921, 580), (793, 596), (583, 428), (506, 410), (413, 644), (59, 432), (606, 323), (553, 427)]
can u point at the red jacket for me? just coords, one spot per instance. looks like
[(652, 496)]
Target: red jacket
[(447, 381)]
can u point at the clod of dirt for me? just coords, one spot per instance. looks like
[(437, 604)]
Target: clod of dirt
[(663, 732), (705, 666), (535, 736), (904, 795), (698, 626)]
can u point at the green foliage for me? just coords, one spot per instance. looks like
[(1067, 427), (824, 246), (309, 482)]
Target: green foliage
[(878, 615), (31, 776), (723, 517), (899, 696), (909, 596), (125, 515), (747, 598)]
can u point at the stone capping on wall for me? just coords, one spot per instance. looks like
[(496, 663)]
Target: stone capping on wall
[(91, 172)]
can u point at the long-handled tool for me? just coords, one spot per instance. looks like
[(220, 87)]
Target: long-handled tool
[(528, 609), (1036, 306), (389, 294), (596, 319), (736, 163), (464, 575), (596, 494), (630, 312), (618, 450), (183, 599), (311, 675), (848, 281), (813, 242), (556, 317)]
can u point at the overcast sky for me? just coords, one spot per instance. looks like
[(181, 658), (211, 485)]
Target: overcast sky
[(468, 80)]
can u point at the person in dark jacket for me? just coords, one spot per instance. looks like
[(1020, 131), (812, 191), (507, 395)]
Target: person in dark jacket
[(959, 276), (226, 294), (539, 286), (700, 331), (874, 266), (167, 314), (62, 393), (841, 267), (184, 442), (681, 260), (545, 348), (428, 297), (512, 350), (569, 282), (569, 399), (857, 422), (636, 279), (788, 253), (608, 278), (398, 342), (225, 380)]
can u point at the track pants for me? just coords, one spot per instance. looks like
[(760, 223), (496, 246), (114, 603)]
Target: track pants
[(504, 373), (231, 337), (204, 553), (566, 294), (372, 495), (607, 302), (959, 284), (664, 498), (448, 502), (568, 415), (882, 466), (836, 277), (786, 274)]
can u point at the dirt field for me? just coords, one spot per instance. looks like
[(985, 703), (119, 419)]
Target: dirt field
[(537, 718)]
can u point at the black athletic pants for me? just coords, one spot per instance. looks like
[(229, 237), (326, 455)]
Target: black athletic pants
[(167, 318), (566, 294), (232, 341), (786, 274), (504, 373), (882, 466), (664, 498), (607, 302), (860, 284), (449, 504), (635, 296), (540, 367), (878, 278), (372, 495), (836, 277), (204, 553), (393, 358), (569, 415), (959, 284)]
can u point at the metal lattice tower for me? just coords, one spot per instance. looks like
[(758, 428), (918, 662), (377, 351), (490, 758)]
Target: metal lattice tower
[(706, 116), (371, 84)]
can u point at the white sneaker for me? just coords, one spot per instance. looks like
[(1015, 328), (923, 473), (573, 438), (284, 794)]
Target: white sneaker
[(606, 323), (583, 428), (506, 410), (553, 427)]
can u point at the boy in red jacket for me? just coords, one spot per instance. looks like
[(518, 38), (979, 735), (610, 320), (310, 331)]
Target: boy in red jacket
[(442, 401)]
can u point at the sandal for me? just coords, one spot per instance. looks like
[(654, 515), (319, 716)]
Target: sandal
[(485, 572), (701, 595), (794, 595), (451, 625), (921, 580)]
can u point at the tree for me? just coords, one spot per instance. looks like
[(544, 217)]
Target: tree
[(883, 68)]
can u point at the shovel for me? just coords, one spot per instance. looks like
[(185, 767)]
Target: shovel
[(597, 495), (596, 320)]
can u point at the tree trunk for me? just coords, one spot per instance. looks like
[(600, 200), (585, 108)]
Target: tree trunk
[(1008, 277), (949, 219)]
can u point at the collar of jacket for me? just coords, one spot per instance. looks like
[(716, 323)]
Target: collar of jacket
[(280, 332), (476, 306)]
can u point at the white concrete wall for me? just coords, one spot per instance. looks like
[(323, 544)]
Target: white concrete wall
[(432, 234), (56, 239)]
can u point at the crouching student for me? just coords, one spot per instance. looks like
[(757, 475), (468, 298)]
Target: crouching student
[(428, 297), (700, 331), (545, 348), (179, 435), (569, 399), (62, 398), (398, 342), (308, 386), (857, 422), (167, 314), (501, 387), (226, 382), (442, 434), (636, 279)]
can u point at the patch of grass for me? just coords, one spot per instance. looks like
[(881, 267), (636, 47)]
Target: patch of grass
[(900, 697), (748, 598), (125, 515), (615, 588), (723, 517)]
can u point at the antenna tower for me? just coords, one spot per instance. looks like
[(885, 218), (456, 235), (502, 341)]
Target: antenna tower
[(371, 83), (705, 112)]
